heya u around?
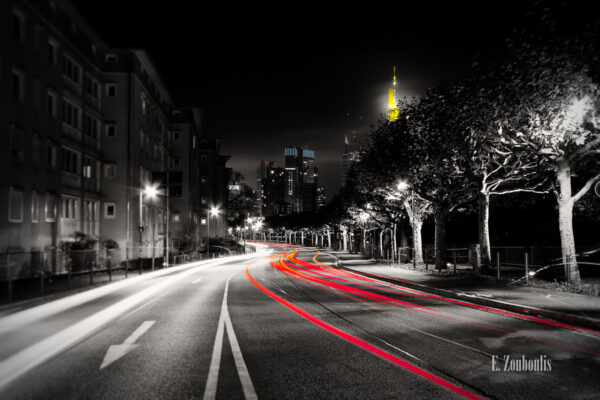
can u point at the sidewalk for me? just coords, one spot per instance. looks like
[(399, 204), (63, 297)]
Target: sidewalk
[(578, 309)]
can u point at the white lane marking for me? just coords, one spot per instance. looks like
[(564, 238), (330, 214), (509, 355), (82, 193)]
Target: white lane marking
[(34, 355), (14, 321), (210, 391), (197, 280), (117, 351)]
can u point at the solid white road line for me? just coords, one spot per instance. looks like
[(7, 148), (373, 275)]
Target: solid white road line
[(34, 355), (210, 391)]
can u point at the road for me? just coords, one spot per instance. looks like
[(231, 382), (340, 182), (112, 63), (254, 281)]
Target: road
[(284, 324)]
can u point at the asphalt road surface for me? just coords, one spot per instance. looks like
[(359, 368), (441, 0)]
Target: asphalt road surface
[(286, 324)]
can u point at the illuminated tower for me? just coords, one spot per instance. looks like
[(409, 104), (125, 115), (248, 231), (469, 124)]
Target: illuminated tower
[(392, 106)]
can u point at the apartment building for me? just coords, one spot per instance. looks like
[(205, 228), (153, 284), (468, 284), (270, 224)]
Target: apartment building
[(88, 128)]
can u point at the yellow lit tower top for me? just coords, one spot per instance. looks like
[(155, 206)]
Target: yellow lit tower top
[(392, 106)]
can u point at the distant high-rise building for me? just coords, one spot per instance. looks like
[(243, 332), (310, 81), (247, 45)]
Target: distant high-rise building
[(321, 197), (302, 179), (270, 188), (351, 156)]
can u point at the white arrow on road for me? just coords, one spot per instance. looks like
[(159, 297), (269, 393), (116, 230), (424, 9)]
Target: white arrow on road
[(117, 351)]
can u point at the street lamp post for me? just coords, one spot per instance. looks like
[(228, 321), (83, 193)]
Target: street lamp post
[(150, 192), (212, 211)]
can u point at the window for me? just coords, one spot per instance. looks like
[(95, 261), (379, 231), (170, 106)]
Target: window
[(36, 155), (71, 114), (203, 200), (52, 52), (202, 159), (35, 207), (203, 179), (51, 103), (91, 86), (143, 101), (203, 221), (17, 149), (15, 205), (111, 131), (176, 162), (111, 89), (69, 207), (91, 126), (176, 135), (50, 208), (18, 25), (71, 160), (71, 70), (52, 156), (176, 216), (37, 95), (110, 210), (110, 170), (90, 168), (111, 58), (18, 85), (142, 138)]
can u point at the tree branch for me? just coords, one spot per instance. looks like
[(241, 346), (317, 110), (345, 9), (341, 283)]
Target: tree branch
[(586, 188)]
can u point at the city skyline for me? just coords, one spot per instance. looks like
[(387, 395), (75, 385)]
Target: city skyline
[(279, 84)]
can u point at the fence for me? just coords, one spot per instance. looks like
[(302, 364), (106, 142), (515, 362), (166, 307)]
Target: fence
[(28, 274), (457, 258), (543, 262)]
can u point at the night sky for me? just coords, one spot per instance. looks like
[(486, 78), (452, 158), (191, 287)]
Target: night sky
[(300, 75)]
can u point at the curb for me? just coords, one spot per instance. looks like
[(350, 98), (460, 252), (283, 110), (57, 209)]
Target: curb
[(584, 322)]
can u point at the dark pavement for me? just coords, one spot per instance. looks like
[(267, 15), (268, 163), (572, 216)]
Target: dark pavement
[(280, 327)]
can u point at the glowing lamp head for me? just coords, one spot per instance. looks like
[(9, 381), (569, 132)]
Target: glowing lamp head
[(214, 211), (151, 192), (402, 185)]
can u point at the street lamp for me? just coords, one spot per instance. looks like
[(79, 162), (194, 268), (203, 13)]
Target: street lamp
[(151, 193), (214, 211)]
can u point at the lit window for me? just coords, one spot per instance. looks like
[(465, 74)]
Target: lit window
[(15, 205), (202, 221), (176, 216), (110, 210), (143, 101), (50, 208), (35, 207), (203, 200), (203, 179)]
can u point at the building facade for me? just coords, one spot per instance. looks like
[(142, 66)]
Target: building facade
[(88, 128), (351, 156)]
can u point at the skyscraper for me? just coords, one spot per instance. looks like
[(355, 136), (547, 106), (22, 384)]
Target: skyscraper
[(302, 179), (351, 155)]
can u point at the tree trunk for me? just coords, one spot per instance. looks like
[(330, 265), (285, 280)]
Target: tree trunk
[(565, 222), (441, 217), (345, 240), (417, 226), (484, 229), (381, 253)]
